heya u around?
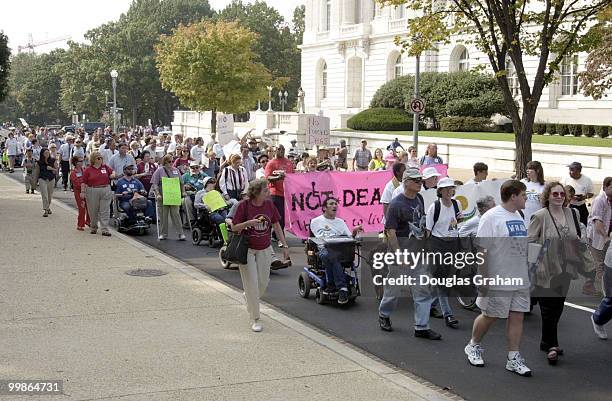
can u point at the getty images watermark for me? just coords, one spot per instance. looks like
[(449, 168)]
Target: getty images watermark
[(422, 261)]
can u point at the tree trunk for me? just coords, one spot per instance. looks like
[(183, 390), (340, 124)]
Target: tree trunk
[(213, 121), (523, 142)]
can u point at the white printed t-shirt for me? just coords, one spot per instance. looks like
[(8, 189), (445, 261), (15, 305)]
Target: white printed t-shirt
[(503, 234)]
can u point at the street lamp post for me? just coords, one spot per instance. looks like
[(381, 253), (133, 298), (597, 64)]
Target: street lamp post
[(282, 98), (269, 98), (114, 74)]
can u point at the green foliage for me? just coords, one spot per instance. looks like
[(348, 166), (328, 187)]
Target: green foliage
[(380, 119), (466, 93), (212, 66), (551, 129), (276, 44), (299, 23), (5, 63), (539, 129), (466, 124), (588, 130), (596, 78), (574, 129), (562, 129), (601, 131)]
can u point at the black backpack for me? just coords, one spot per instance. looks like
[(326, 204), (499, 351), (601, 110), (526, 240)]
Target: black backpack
[(438, 206)]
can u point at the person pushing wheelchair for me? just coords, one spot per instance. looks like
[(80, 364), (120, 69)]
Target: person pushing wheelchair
[(329, 226)]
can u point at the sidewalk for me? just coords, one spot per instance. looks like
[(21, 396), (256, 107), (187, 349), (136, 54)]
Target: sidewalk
[(70, 312)]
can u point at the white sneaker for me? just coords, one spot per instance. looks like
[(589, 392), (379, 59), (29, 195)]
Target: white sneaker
[(161, 237), (257, 326), (599, 330), (474, 354), (517, 365)]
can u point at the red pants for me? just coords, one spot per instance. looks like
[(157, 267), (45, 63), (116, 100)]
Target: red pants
[(83, 216)]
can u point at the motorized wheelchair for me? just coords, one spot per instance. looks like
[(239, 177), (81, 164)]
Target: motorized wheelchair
[(203, 229), (314, 277), (137, 225)]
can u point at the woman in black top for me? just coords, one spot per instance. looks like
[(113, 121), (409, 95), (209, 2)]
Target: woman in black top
[(46, 179)]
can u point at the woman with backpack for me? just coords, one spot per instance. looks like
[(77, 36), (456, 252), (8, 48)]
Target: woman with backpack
[(441, 222), (557, 229)]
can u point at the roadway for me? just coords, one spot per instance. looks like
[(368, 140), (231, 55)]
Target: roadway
[(583, 373)]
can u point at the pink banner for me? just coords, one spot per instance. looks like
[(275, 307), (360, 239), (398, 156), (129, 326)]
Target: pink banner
[(359, 195), (441, 168)]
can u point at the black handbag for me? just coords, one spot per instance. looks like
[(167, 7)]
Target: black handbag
[(237, 249)]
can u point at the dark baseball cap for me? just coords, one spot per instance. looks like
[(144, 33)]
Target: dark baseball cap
[(575, 166)]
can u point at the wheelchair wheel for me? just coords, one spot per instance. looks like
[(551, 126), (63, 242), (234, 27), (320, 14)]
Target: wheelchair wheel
[(196, 236), (320, 297), (467, 297), (304, 285), (224, 263)]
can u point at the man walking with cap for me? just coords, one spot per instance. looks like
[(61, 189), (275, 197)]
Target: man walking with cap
[(405, 227)]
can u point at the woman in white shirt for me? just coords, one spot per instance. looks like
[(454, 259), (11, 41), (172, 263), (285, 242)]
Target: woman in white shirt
[(444, 238), (412, 161), (535, 185), (233, 180)]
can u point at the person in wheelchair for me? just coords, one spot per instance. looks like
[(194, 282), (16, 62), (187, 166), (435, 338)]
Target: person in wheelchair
[(329, 226), (194, 182), (212, 201), (130, 191)]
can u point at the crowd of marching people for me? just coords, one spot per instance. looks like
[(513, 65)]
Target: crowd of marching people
[(245, 191)]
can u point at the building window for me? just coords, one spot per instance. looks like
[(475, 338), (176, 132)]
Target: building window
[(400, 12), (327, 15), (398, 70), (569, 75), (464, 60), (324, 81), (512, 77)]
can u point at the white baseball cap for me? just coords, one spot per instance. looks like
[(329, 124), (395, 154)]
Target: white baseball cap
[(430, 172)]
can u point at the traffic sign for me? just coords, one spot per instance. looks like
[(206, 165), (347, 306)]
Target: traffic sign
[(417, 105)]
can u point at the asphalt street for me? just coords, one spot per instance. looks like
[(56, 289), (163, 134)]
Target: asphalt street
[(584, 372)]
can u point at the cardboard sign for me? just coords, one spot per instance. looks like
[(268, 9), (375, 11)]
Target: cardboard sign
[(171, 191), (317, 131), (225, 128)]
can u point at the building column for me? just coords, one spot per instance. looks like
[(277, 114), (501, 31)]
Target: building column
[(348, 12)]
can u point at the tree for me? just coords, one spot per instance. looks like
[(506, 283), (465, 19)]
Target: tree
[(507, 31), (212, 66), (5, 55), (299, 23), (596, 79), (276, 44)]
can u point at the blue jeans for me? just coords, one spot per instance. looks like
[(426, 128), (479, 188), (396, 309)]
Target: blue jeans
[(127, 208), (442, 294), (218, 217), (421, 295), (603, 314), (333, 269)]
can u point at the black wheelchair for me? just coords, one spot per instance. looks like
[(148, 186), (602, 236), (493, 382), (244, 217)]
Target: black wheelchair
[(203, 229), (347, 249), (139, 224)]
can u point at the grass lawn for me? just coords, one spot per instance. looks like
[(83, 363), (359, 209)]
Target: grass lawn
[(500, 136)]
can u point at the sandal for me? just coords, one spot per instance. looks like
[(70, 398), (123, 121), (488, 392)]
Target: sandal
[(552, 356)]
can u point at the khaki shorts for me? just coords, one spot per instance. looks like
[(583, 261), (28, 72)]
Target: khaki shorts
[(499, 304)]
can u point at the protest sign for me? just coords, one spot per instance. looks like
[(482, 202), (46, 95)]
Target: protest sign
[(440, 168), (225, 128), (171, 191), (358, 194), (317, 130), (214, 200)]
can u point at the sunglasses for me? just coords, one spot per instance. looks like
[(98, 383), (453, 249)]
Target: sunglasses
[(263, 161), (98, 158), (558, 194), (416, 180)]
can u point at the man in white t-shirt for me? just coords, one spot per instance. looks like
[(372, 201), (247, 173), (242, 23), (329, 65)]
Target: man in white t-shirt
[(13, 148), (481, 171), (329, 226), (584, 190), (503, 234)]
